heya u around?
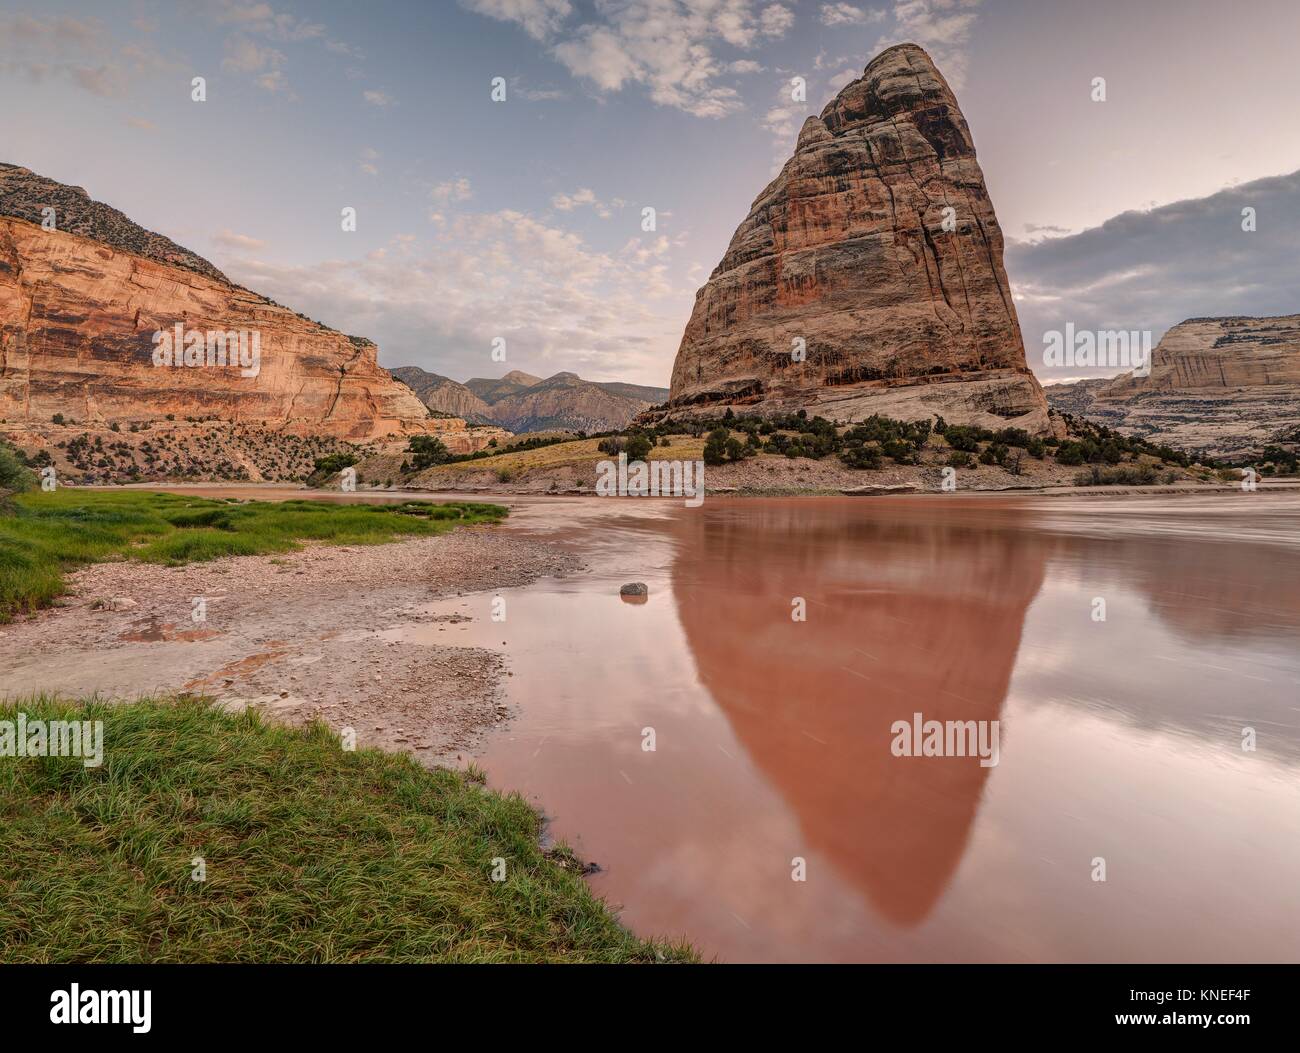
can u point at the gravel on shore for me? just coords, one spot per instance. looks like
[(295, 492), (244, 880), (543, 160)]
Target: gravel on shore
[(302, 635)]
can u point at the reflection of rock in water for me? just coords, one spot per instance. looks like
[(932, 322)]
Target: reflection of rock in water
[(904, 615), (1229, 607), (1235, 591)]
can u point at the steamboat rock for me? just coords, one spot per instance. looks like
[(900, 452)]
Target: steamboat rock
[(877, 247)]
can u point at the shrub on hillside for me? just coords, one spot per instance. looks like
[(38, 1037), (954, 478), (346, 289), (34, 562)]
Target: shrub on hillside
[(715, 447), (428, 450), (325, 469), (638, 447), (1279, 461), (966, 437), (864, 457), (1127, 475), (1071, 452), (15, 476)]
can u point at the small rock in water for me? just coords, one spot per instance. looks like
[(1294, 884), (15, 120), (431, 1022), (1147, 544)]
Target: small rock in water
[(634, 592)]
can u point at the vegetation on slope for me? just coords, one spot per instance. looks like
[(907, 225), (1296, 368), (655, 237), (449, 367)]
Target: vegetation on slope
[(15, 476), (193, 448), (869, 445), (50, 533)]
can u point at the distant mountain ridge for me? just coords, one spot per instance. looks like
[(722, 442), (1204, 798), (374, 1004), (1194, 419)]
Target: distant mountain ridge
[(521, 402), (444, 395), (491, 391)]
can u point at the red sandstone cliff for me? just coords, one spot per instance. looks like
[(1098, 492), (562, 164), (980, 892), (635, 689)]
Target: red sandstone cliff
[(80, 304)]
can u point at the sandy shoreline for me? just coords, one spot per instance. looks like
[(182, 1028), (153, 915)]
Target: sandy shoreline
[(318, 633), (299, 636)]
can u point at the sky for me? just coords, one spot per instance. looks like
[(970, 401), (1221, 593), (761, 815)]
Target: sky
[(522, 219)]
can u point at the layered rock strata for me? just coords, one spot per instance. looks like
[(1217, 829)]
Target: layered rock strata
[(82, 306), (867, 277), (1226, 386)]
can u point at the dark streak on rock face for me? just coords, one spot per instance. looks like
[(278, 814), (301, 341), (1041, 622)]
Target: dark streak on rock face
[(847, 250)]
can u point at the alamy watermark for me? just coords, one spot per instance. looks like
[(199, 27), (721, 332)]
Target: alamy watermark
[(947, 738), (652, 479), (92, 1006), (1116, 348), (236, 348), (53, 738)]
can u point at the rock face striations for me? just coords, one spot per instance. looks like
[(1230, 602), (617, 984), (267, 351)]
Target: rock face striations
[(1226, 386), (878, 248), (80, 305)]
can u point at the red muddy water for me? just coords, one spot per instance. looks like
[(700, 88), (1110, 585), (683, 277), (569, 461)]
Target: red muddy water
[(1120, 740)]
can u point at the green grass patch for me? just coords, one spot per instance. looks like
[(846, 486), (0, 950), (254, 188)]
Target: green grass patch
[(46, 534), (312, 854)]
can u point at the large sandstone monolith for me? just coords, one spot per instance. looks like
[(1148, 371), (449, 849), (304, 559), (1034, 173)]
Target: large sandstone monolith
[(878, 249)]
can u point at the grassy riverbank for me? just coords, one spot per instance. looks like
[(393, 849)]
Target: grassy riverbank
[(48, 534), (312, 853)]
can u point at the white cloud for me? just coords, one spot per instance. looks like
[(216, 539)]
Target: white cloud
[(369, 156), (337, 47), (266, 64), (519, 90), (228, 239), (943, 28), (557, 300), (838, 80), (848, 15), (82, 50), (666, 46), (782, 121), (568, 202), (539, 18), (776, 20), (452, 190), (263, 20), (244, 55), (586, 197), (1036, 232), (378, 98), (272, 81)]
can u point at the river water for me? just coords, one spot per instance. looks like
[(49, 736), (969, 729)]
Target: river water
[(1121, 740)]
